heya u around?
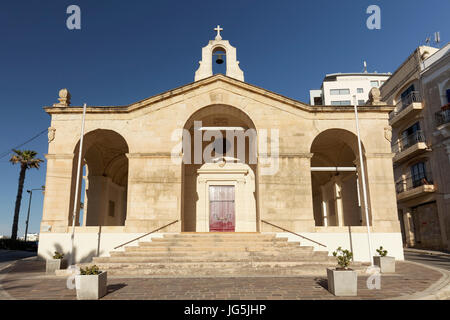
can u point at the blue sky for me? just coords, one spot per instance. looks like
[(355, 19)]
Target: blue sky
[(129, 50)]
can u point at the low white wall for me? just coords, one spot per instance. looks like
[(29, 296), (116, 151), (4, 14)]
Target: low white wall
[(355, 242), (86, 245)]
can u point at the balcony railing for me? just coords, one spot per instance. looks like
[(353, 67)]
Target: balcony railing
[(413, 96), (408, 141), (414, 181), (442, 117)]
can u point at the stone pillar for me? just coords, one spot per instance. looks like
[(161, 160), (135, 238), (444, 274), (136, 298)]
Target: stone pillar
[(337, 190), (382, 197), (362, 203), (324, 207), (154, 192), (409, 227), (285, 197), (58, 194), (98, 204)]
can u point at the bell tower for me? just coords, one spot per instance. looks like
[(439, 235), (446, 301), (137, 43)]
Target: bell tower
[(232, 70)]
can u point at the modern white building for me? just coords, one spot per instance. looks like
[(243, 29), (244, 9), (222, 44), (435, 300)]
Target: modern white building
[(338, 88), (31, 237)]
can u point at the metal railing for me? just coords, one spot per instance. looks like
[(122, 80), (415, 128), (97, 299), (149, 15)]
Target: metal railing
[(146, 234), (281, 228), (408, 141), (414, 181), (413, 96), (442, 117)]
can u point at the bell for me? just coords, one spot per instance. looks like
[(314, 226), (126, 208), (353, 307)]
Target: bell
[(219, 59)]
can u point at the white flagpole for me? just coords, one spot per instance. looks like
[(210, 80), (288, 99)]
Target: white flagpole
[(363, 180), (77, 185)]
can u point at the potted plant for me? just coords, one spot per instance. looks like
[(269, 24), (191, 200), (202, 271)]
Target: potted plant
[(91, 283), (56, 263), (385, 263), (342, 281)]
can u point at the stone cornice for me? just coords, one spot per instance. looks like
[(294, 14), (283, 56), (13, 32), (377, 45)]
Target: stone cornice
[(218, 77), (287, 155), (389, 155), (59, 156), (153, 155)]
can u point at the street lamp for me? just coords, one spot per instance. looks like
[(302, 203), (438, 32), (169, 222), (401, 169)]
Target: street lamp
[(29, 207)]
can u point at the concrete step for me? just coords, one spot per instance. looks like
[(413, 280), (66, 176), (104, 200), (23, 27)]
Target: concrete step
[(220, 236), (217, 244), (244, 257), (218, 241), (212, 254), (215, 249), (227, 238), (195, 269), (238, 254)]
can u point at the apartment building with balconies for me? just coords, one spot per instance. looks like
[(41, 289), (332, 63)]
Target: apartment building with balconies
[(338, 89), (420, 91)]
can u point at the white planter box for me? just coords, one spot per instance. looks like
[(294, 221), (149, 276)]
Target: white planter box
[(91, 287), (386, 264), (55, 264), (342, 282)]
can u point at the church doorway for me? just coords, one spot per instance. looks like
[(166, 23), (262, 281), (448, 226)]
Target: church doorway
[(219, 172), (221, 209)]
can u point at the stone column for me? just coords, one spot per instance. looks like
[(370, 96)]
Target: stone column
[(154, 192), (324, 206), (337, 190), (285, 197), (382, 197), (409, 227), (58, 199), (362, 206)]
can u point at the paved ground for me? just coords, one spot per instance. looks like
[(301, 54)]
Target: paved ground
[(8, 256), (26, 280), (433, 258)]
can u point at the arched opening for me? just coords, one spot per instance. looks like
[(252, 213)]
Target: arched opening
[(219, 160), (104, 182), (219, 61), (336, 188)]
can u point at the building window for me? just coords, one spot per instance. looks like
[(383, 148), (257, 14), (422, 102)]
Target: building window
[(341, 103), (374, 83), (361, 102), (359, 90), (418, 175), (448, 95), (407, 92), (339, 91)]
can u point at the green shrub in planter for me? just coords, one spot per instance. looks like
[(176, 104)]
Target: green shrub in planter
[(56, 263), (382, 252), (91, 283), (385, 263), (342, 281), (344, 258), (93, 270)]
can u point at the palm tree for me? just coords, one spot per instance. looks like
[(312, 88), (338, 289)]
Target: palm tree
[(27, 160)]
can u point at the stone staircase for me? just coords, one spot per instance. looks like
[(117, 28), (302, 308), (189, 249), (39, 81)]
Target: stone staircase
[(216, 254)]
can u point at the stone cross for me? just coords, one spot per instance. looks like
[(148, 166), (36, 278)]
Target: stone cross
[(218, 29)]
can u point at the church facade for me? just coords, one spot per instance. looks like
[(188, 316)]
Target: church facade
[(219, 155)]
